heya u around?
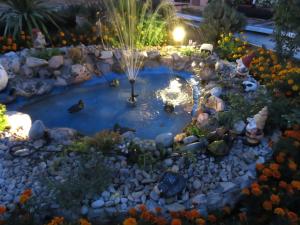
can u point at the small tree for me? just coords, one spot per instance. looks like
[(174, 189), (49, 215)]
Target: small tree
[(220, 17), (287, 21)]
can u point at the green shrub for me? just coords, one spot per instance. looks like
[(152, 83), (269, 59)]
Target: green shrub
[(3, 118), (47, 53), (80, 146), (88, 178), (287, 21), (192, 129), (24, 15), (104, 141), (219, 17)]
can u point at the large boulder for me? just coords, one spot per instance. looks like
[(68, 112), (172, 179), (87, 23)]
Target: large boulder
[(33, 62), (106, 54), (3, 78), (32, 87), (79, 73), (164, 141), (11, 63), (218, 148), (19, 123), (56, 62), (37, 130)]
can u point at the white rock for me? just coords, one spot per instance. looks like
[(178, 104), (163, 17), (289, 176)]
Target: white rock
[(239, 127), (3, 78), (33, 62), (216, 103), (216, 91), (106, 54), (202, 119), (56, 61), (164, 140), (19, 123)]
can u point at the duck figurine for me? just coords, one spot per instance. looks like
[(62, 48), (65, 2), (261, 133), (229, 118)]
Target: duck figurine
[(76, 107)]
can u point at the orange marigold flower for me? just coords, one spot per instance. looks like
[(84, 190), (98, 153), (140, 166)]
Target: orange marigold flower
[(200, 221), (176, 222), (146, 215), (227, 210), (292, 165), (158, 210), (212, 218), (275, 199), (260, 166), (243, 216), (293, 217), (27, 192), (279, 212), (267, 172), (142, 207), (255, 185), (84, 222), (283, 184), (245, 191), (23, 199), (193, 214), (256, 191), (132, 212), (274, 166), (263, 178), (267, 205), (296, 185), (276, 174), (280, 158), (2, 209), (160, 221), (130, 221), (56, 221)]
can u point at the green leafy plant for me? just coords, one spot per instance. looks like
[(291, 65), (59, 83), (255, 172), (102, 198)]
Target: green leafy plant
[(47, 53), (90, 176), (80, 146), (192, 129), (219, 17), (3, 118), (24, 15), (287, 29), (104, 141)]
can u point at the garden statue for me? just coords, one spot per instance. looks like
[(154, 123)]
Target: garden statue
[(39, 41), (77, 107), (114, 83), (169, 107), (243, 64), (250, 85), (3, 78), (207, 48), (255, 127)]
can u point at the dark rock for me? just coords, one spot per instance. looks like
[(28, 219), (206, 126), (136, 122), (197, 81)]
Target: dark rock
[(171, 184), (218, 148)]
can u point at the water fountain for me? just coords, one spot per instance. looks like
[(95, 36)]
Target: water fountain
[(127, 17)]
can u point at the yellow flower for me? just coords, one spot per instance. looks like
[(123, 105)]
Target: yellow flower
[(240, 49), (226, 39), (295, 87), (56, 221), (279, 212), (237, 39)]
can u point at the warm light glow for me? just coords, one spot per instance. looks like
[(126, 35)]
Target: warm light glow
[(179, 34)]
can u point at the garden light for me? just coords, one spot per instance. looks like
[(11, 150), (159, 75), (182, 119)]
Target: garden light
[(179, 34)]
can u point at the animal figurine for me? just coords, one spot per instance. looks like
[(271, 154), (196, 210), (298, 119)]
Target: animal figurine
[(207, 48), (39, 41), (169, 107), (243, 65), (250, 85), (77, 107), (114, 83), (255, 127)]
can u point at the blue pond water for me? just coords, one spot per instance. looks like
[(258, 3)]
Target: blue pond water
[(106, 106)]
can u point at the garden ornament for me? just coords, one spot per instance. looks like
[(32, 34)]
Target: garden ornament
[(3, 78), (243, 64), (76, 107), (250, 85), (207, 48), (255, 127), (39, 41)]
